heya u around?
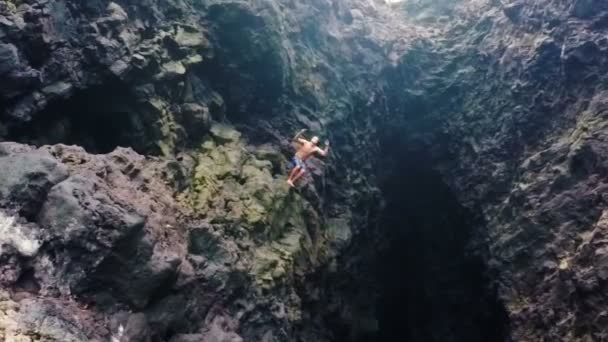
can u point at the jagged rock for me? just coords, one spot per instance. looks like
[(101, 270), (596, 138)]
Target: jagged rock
[(188, 36), (18, 241), (137, 272), (221, 329), (130, 327), (120, 67), (224, 134), (9, 60), (74, 212), (171, 70), (513, 10), (199, 91), (196, 119), (26, 178), (340, 231), (203, 242), (58, 89), (25, 239), (117, 13), (32, 319)]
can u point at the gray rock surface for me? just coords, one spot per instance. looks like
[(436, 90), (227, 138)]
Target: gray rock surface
[(27, 178)]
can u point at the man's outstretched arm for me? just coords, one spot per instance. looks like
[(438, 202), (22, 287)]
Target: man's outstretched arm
[(297, 136), (324, 152)]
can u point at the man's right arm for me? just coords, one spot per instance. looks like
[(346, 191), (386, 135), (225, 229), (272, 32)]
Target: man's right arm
[(297, 136)]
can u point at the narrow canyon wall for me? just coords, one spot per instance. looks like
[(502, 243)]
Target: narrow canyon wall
[(511, 107)]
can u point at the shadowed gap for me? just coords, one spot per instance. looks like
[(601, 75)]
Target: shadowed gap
[(433, 285), (99, 119)]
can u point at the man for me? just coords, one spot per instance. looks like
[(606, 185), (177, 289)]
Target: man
[(304, 151)]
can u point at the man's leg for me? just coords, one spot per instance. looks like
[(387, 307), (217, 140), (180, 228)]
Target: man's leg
[(292, 174), (298, 175)]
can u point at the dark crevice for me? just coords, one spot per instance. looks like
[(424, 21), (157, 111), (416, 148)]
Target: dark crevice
[(419, 274), (99, 119), (248, 68), (27, 282), (433, 283), (36, 52)]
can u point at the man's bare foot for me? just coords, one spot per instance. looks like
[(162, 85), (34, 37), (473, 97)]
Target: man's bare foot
[(290, 183)]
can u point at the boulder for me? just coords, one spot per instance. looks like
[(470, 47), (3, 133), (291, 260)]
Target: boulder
[(195, 119), (58, 89), (80, 213), (9, 59), (19, 242), (224, 133), (171, 70), (116, 12), (136, 271), (190, 37), (24, 239), (130, 327), (48, 319), (26, 178)]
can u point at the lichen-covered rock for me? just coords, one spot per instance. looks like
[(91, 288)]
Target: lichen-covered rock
[(231, 186)]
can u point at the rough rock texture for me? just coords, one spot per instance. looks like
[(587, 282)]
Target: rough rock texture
[(511, 106), (142, 193), (205, 241)]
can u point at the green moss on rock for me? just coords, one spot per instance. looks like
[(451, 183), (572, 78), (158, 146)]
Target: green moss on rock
[(237, 188)]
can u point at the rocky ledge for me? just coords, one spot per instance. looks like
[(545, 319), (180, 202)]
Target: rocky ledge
[(95, 246)]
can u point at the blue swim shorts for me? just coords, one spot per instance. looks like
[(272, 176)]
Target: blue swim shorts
[(298, 162)]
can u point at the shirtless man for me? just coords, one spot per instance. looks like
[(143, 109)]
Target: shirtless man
[(304, 151)]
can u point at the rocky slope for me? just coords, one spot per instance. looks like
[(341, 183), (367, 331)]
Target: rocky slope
[(142, 193)]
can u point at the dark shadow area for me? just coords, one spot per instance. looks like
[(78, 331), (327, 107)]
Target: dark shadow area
[(248, 69), (418, 274), (99, 119), (433, 286)]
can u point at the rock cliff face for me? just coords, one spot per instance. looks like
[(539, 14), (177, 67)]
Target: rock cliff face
[(145, 147), (509, 109)]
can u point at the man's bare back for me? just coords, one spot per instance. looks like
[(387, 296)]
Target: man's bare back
[(307, 149)]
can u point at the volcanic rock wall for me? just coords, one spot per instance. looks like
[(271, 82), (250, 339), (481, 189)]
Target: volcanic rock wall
[(142, 192), (513, 105), (200, 239)]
